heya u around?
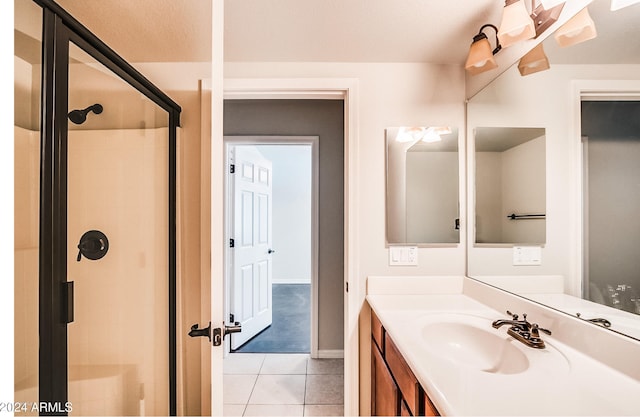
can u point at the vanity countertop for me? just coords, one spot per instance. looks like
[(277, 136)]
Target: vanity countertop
[(559, 380)]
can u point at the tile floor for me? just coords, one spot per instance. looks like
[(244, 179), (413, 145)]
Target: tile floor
[(274, 384)]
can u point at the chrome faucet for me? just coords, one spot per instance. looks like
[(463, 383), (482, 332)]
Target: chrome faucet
[(522, 330)]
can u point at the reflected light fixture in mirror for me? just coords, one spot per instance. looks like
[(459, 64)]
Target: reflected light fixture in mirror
[(619, 4), (425, 134), (480, 58), (543, 17), (578, 29), (516, 23), (534, 61)]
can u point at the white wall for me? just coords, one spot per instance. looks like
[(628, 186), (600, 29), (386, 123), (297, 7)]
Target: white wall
[(291, 212), (542, 99), (488, 197), (523, 184)]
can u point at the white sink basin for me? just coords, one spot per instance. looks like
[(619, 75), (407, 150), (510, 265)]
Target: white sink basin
[(475, 347)]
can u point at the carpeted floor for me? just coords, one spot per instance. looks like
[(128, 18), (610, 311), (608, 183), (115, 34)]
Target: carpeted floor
[(290, 331)]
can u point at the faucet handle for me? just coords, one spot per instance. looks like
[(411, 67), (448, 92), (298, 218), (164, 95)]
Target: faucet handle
[(513, 316), (535, 329)]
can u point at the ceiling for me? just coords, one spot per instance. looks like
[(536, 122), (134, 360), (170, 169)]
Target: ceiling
[(434, 31)]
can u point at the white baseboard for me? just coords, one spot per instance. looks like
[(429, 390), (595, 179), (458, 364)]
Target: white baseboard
[(331, 354)]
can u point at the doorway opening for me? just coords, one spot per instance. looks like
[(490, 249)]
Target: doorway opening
[(328, 113), (271, 220)]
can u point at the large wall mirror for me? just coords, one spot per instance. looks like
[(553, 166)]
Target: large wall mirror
[(587, 229), (510, 185), (422, 195)]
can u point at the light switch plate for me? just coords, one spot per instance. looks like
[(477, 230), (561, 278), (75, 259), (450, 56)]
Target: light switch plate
[(403, 255), (527, 255)]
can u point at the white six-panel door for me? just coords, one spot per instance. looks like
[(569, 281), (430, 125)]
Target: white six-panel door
[(251, 295)]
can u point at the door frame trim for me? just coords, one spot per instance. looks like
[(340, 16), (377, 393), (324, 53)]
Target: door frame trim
[(305, 88), (251, 140)]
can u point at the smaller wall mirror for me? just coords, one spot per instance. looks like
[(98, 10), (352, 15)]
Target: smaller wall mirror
[(510, 185), (422, 185)]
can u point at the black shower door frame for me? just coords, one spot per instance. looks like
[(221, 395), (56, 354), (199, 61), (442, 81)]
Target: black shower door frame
[(59, 29)]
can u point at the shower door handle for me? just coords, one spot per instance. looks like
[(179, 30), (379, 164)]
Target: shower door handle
[(68, 300)]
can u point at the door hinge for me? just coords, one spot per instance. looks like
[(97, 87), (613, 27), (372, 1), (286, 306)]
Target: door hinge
[(232, 168), (232, 243)]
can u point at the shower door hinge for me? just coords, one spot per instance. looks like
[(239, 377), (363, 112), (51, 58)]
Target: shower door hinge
[(232, 168), (232, 243)]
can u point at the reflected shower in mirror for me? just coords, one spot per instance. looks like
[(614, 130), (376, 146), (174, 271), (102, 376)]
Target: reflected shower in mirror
[(422, 185), (510, 185)]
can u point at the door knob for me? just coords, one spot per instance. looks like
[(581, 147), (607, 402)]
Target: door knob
[(270, 251)]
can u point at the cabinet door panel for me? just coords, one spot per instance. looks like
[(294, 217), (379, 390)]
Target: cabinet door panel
[(429, 408), (406, 380), (377, 331), (404, 409), (385, 398)]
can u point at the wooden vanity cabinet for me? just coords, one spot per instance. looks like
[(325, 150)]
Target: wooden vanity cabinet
[(395, 391)]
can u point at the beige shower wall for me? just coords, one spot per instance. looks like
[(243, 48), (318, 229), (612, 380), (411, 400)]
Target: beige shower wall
[(118, 184)]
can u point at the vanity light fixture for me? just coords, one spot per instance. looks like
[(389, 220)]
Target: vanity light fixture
[(619, 4), (480, 58), (544, 16), (578, 29), (516, 23), (534, 61)]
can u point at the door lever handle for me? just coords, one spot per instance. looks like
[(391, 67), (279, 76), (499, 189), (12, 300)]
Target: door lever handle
[(216, 333), (195, 332)]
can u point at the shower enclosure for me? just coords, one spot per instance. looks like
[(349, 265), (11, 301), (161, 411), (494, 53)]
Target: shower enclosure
[(95, 225)]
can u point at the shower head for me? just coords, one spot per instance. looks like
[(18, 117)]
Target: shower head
[(80, 116)]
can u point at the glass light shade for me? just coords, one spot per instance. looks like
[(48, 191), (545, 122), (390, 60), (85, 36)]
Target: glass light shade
[(578, 29), (534, 61), (516, 24), (480, 58), (548, 4), (619, 4)]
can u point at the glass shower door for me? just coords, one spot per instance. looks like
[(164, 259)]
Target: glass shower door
[(117, 244)]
